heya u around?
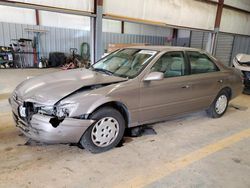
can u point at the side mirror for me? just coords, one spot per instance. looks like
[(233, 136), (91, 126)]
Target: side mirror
[(153, 76)]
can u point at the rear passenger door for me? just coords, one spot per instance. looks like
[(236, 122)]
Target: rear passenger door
[(207, 79)]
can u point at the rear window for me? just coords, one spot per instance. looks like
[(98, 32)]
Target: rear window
[(201, 63)]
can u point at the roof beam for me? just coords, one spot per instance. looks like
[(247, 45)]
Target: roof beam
[(37, 17), (46, 8), (226, 6), (147, 22)]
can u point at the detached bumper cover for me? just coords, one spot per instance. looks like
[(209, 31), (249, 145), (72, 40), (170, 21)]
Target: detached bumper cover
[(244, 68), (39, 128)]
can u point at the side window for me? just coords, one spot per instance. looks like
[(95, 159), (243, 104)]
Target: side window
[(171, 64), (201, 63)]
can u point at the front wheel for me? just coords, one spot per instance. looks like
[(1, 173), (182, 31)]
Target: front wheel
[(106, 132), (219, 106)]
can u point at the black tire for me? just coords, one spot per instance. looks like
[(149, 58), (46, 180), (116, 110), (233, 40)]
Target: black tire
[(211, 111), (105, 112)]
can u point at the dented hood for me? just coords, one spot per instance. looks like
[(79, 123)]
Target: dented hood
[(242, 62), (50, 88), (243, 58)]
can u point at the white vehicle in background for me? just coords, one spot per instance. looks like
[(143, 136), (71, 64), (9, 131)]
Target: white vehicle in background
[(242, 62)]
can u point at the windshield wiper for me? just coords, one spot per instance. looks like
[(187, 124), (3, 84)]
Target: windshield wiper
[(103, 70)]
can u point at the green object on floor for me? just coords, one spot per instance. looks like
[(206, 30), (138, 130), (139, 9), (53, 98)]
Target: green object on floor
[(85, 51)]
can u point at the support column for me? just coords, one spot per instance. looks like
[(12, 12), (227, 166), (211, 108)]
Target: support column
[(37, 17), (214, 37), (122, 27), (97, 24), (92, 40), (174, 37)]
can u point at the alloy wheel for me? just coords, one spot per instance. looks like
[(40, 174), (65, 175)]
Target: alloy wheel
[(221, 104), (105, 131)]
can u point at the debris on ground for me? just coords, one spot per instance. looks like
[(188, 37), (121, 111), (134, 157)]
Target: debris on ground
[(141, 131), (31, 142), (238, 107)]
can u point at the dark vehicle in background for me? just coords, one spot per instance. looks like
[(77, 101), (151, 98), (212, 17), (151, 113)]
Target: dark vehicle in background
[(242, 63)]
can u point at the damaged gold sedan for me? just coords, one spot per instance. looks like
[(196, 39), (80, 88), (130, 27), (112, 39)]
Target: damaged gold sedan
[(127, 88)]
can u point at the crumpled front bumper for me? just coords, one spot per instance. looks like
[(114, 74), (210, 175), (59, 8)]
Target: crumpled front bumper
[(39, 128), (245, 71)]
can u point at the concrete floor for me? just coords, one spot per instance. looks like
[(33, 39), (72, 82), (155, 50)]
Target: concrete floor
[(189, 151)]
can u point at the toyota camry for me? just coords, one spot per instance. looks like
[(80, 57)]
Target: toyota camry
[(129, 87)]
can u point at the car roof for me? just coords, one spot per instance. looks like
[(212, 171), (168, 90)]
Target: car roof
[(164, 48)]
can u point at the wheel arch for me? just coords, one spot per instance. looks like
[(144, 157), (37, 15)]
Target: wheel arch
[(119, 106), (228, 90)]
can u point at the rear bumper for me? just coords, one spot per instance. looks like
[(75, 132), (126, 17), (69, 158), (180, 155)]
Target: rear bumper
[(40, 129)]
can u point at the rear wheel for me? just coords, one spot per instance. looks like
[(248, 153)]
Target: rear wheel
[(106, 132), (219, 106)]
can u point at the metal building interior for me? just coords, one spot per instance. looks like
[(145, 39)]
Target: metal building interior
[(52, 37)]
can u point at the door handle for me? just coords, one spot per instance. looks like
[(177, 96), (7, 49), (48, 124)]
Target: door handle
[(220, 81), (186, 87)]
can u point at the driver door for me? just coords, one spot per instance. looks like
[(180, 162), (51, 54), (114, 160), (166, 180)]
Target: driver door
[(169, 96)]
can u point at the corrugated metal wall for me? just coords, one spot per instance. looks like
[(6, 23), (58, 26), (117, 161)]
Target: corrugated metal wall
[(241, 45), (224, 48), (55, 39), (185, 42), (224, 45), (205, 39), (130, 38), (62, 39), (198, 39)]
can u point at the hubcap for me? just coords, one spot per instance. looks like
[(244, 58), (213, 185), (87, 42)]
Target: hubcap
[(221, 104), (105, 131)]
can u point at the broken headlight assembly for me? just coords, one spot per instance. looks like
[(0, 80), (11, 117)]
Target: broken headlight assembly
[(26, 110), (64, 110), (46, 110), (61, 110)]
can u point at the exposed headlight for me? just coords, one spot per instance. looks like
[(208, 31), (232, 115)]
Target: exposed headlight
[(47, 110), (65, 110), (22, 111)]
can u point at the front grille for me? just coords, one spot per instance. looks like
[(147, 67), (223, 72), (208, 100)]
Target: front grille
[(15, 117), (246, 74), (19, 121), (16, 103)]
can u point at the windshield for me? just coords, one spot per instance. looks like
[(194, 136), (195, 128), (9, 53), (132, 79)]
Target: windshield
[(126, 63)]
